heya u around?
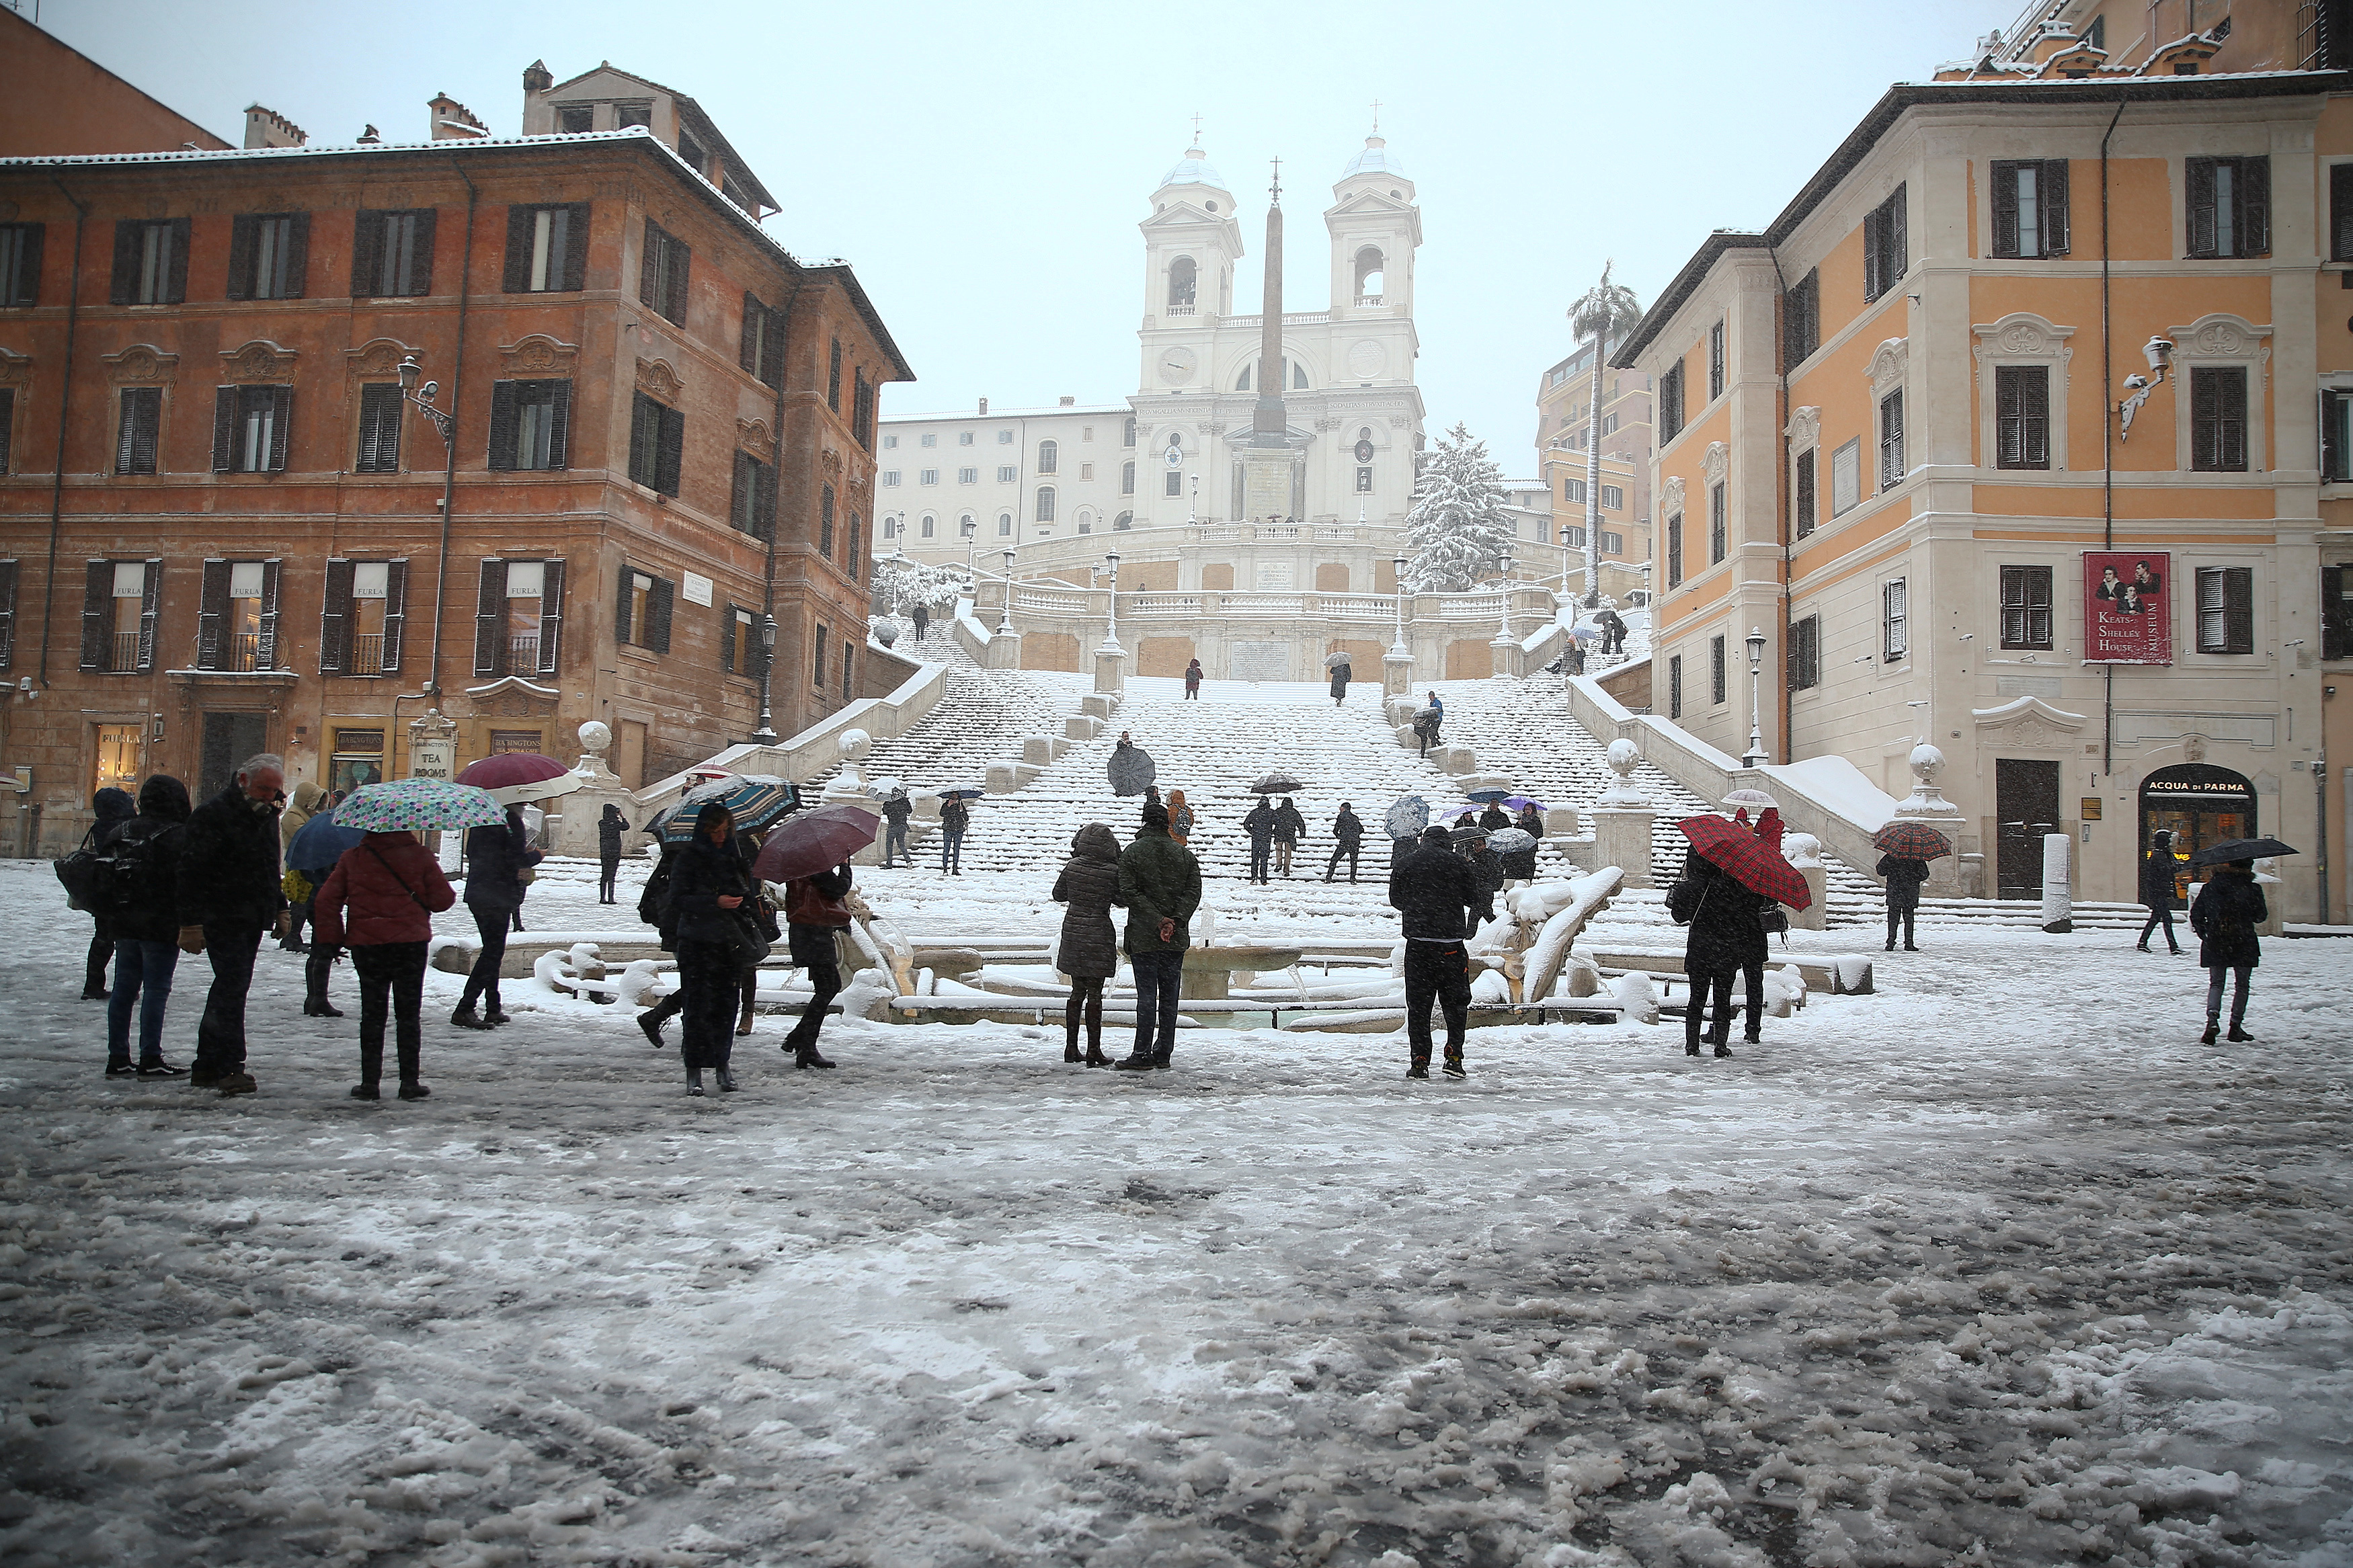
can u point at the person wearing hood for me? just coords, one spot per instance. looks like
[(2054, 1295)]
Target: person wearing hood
[(495, 860), (1903, 874), (1160, 886), (1193, 681), (1341, 673), (379, 901), (110, 808), (1260, 825), (2226, 915), (1613, 631), (228, 895), (1433, 889), (306, 802), (1769, 828), (1089, 954), (1290, 828), (1347, 839), (1180, 816), (611, 828), (709, 890), (2158, 869), (146, 924), (956, 816), (896, 809)]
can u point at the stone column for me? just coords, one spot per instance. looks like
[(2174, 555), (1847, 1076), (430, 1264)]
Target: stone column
[(1397, 672), (2058, 892), (1505, 651), (1622, 819), (1111, 666)]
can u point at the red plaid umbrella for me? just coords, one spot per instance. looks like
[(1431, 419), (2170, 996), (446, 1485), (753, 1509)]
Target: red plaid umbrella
[(1913, 840), (1747, 860)]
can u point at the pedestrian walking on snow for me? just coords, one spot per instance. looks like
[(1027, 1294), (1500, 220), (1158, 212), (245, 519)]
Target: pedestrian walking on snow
[(1347, 839), (229, 896), (954, 818), (145, 922), (1290, 828), (496, 858), (1613, 631), (1180, 816), (1433, 889), (307, 801), (1726, 937), (814, 914), (922, 621), (2225, 915), (1260, 825), (1160, 884), (379, 901), (1903, 875), (1193, 681), (2158, 871), (1341, 675), (896, 810), (1427, 724), (1488, 871), (110, 808), (710, 892), (1089, 952), (611, 828)]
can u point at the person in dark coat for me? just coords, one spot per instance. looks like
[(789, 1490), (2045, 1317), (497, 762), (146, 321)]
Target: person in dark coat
[(610, 829), (229, 896), (1613, 631), (1347, 839), (922, 619), (1429, 721), (1433, 889), (1160, 886), (1341, 673), (708, 888), (1260, 825), (1572, 659), (1903, 875), (2225, 915), (955, 816), (495, 859), (1487, 868), (1495, 819), (1089, 954), (2158, 869), (653, 909), (896, 809), (146, 925), (1193, 681), (379, 901), (1725, 938), (1290, 828), (111, 808), (814, 913)]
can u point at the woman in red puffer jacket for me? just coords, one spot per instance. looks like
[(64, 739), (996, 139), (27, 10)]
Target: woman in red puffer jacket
[(392, 887)]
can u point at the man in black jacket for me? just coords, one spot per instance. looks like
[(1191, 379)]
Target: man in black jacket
[(228, 895), (1260, 825), (1347, 839), (1434, 889), (496, 858)]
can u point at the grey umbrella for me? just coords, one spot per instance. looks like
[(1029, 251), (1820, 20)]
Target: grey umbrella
[(1334, 660), (1131, 770), (1279, 783), (1408, 817)]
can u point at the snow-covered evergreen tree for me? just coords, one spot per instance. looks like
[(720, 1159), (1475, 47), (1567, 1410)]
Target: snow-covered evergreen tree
[(902, 583), (1456, 528)]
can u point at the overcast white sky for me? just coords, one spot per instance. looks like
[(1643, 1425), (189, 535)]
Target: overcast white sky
[(983, 167)]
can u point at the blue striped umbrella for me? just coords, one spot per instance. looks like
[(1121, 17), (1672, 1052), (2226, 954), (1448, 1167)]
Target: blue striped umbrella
[(756, 801)]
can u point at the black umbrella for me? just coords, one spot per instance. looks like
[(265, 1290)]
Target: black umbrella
[(2230, 849), (1279, 783), (1131, 769)]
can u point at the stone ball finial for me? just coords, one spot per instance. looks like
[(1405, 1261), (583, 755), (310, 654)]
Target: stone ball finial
[(854, 744), (1927, 763), (1801, 850), (596, 735), (1624, 757)]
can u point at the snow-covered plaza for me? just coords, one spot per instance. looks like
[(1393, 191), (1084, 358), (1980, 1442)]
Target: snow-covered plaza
[(1995, 1265)]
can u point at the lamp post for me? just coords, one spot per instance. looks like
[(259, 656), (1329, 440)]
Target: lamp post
[(1399, 563), (1005, 612), (444, 422), (1756, 754), (970, 528), (1567, 560), (1110, 622), (1504, 571), (766, 735)]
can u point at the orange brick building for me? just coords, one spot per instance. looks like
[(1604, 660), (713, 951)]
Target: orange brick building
[(663, 426)]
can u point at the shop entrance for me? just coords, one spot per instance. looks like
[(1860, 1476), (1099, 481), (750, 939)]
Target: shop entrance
[(230, 739), (2026, 799), (2199, 805)]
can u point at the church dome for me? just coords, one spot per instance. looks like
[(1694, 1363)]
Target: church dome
[(1376, 159), (1194, 170)]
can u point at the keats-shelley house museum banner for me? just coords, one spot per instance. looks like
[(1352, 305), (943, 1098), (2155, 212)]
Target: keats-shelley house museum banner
[(2128, 607)]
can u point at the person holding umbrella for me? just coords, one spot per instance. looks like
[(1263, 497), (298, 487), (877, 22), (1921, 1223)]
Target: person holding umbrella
[(1427, 724), (1089, 954), (390, 887), (1347, 839), (307, 801), (610, 828), (229, 894), (311, 856), (1730, 884), (708, 888), (1260, 825), (2225, 915), (1160, 885), (2158, 871), (809, 854), (495, 860), (1341, 673), (1907, 848), (1495, 819), (954, 818)]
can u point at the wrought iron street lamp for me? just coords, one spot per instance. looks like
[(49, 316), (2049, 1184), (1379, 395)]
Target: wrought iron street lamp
[(1503, 586), (444, 421), (1756, 699), (1111, 625), (1566, 544), (1005, 614), (766, 735)]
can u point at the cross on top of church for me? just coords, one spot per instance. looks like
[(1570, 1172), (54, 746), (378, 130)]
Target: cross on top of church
[(1196, 131), (1276, 193), (1377, 117)]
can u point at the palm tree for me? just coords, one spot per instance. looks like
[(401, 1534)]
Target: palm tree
[(1605, 312)]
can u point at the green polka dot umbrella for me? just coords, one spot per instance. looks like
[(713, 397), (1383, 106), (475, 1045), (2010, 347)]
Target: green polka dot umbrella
[(418, 805)]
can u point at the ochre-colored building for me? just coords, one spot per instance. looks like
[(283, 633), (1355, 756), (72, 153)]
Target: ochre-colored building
[(2037, 319), (663, 427), (56, 100)]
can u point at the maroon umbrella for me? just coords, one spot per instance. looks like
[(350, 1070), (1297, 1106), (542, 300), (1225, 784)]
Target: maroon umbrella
[(1913, 840), (513, 777), (1747, 859), (815, 841)]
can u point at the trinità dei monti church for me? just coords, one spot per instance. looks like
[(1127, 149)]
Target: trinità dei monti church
[(1255, 516)]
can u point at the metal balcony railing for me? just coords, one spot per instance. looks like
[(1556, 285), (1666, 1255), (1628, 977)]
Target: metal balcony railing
[(367, 654), (122, 654), (242, 652), (523, 655)]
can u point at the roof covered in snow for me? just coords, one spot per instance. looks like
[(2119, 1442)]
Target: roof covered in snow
[(1194, 169), (1376, 159)]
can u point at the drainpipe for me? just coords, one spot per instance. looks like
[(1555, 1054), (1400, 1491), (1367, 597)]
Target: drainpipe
[(65, 410), (1781, 492), (2108, 456), (450, 470)]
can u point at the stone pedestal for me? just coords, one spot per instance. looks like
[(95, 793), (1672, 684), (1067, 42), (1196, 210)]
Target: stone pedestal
[(1458, 761), (572, 819), (1042, 749), (1506, 653), (1803, 851), (1397, 672), (2058, 890), (1111, 666), (1100, 704), (1621, 837), (1948, 877), (1083, 726)]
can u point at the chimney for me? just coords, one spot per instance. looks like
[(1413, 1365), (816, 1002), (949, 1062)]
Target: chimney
[(371, 137), (452, 121), (1069, 402), (537, 77), (984, 406), (267, 128)]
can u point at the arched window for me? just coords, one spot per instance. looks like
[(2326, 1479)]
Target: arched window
[(1242, 382), (1048, 454), (1181, 274), (1127, 479), (1298, 376), (1004, 525), (966, 527), (1086, 521), (889, 528), (1123, 522), (1129, 439), (1045, 503), (1295, 375), (1369, 278), (930, 525)]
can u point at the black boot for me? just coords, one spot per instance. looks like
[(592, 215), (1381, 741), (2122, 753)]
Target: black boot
[(371, 1071), (694, 1080), (1070, 1043), (726, 1080), (1140, 1062), (807, 1057), (652, 1027), (465, 1018), (2237, 1036), (2213, 1030), (320, 1007)]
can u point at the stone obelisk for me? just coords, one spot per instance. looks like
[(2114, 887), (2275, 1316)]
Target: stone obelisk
[(1267, 461)]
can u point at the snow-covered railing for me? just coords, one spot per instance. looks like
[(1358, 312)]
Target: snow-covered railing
[(1063, 602), (1150, 606), (1359, 606), (1465, 606)]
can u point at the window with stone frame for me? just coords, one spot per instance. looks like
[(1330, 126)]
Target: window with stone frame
[(1715, 364), (1806, 653), (1803, 505), (657, 443), (251, 425), (662, 271), (1895, 620), (139, 428), (547, 248), (151, 261), (2030, 208), (2228, 207), (825, 521), (1675, 549), (642, 616), (2022, 411), (530, 425), (752, 500), (1670, 403), (1891, 440), (2218, 419), (2226, 609), (20, 264), (1675, 686), (1719, 672), (2026, 606), (1801, 319), (1718, 525), (1886, 252), (382, 408), (392, 254)]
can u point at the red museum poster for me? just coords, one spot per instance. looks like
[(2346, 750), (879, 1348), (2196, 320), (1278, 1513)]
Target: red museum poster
[(2128, 607)]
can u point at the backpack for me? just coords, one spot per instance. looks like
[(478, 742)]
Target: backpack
[(81, 873), (121, 871)]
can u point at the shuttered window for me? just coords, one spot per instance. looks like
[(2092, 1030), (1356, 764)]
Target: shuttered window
[(2340, 211), (2030, 208), (2336, 436), (1675, 687), (2226, 609), (657, 443), (151, 261), (7, 613), (1886, 254), (849, 654), (661, 273), (2026, 606), (519, 618), (857, 551), (20, 264), (825, 521), (1670, 403), (381, 408), (138, 430), (2336, 612), (642, 617), (118, 615), (816, 668), (268, 254), (1891, 440), (833, 377), (530, 425), (1718, 541), (2229, 207), (249, 428), (762, 351), (752, 506), (1719, 677), (2218, 419), (360, 617), (547, 248), (392, 255), (2021, 415), (1801, 494), (237, 615), (739, 642), (1894, 621), (1805, 654), (861, 412), (1801, 319), (8, 428), (1715, 364), (1675, 549)]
